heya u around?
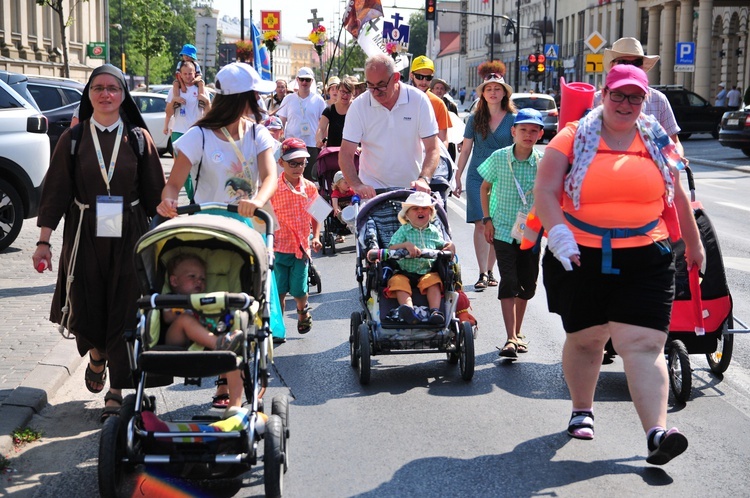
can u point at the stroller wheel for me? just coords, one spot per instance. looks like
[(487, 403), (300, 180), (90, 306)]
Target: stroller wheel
[(356, 320), (111, 452), (273, 457), (363, 354), (466, 351), (718, 361), (680, 373)]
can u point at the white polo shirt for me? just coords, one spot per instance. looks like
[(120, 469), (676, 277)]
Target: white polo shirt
[(302, 116), (392, 150)]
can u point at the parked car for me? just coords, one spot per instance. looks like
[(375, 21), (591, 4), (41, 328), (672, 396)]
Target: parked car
[(153, 107), (24, 160), (735, 130), (57, 98), (543, 103), (694, 114)]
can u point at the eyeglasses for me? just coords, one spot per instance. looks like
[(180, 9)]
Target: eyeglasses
[(493, 76), (634, 62), (379, 88), (632, 99), (297, 164), (109, 89), (305, 80), (421, 77)]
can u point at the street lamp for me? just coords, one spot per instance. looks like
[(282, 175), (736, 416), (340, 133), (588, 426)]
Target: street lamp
[(118, 27), (515, 26)]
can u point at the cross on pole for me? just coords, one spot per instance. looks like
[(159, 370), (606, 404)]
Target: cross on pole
[(396, 19), (315, 20)]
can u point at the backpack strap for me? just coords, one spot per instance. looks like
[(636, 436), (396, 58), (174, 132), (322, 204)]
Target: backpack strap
[(137, 141), (200, 164)]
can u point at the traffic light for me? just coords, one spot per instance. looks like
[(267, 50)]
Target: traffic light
[(429, 9), (541, 68), (532, 65)]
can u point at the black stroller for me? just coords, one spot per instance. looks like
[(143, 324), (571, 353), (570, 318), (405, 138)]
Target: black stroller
[(372, 330), (238, 263), (327, 166)]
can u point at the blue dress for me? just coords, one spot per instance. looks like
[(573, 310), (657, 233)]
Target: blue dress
[(482, 149)]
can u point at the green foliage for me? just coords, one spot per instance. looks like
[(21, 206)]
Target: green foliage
[(24, 435), (417, 34), (344, 64), (150, 19)]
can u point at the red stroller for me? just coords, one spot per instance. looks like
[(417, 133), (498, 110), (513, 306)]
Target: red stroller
[(327, 167)]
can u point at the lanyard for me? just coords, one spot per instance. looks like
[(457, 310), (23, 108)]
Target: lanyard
[(106, 175), (521, 193), (301, 191), (237, 151)]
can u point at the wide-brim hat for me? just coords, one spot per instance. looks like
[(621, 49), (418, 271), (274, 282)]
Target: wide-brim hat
[(440, 81), (417, 199), (495, 78), (628, 47), (239, 77)]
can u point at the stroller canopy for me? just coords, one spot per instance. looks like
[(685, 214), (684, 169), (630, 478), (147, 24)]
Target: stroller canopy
[(204, 231)]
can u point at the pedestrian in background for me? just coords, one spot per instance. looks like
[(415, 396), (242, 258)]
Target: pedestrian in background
[(721, 96), (613, 180), (734, 98), (273, 101), (488, 129), (422, 73), (105, 215), (331, 123)]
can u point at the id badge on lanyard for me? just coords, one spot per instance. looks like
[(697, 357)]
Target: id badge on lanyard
[(520, 224), (109, 208)]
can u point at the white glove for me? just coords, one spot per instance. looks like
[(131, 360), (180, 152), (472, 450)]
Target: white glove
[(563, 245)]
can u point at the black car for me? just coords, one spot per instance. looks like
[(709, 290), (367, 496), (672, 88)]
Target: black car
[(693, 113), (57, 98), (735, 130)]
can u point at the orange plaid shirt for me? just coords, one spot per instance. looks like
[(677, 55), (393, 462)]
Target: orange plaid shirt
[(294, 220)]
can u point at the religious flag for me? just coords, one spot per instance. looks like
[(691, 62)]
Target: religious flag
[(261, 58), (270, 20), (360, 12)]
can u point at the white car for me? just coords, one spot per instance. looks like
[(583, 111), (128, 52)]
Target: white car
[(24, 160), (153, 107)]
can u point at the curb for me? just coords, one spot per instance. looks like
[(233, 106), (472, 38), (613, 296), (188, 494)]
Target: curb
[(716, 164), (30, 397)]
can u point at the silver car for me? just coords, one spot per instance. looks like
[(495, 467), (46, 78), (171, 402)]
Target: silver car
[(153, 107)]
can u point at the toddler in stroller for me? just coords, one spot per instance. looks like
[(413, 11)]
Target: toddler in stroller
[(335, 190), (385, 325)]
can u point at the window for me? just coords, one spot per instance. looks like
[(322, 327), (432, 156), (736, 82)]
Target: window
[(46, 97)]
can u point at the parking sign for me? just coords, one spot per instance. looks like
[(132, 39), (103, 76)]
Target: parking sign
[(685, 53)]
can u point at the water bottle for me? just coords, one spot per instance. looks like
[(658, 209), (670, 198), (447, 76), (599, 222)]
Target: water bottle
[(668, 150)]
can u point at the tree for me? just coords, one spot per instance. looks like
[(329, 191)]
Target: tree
[(65, 19), (417, 34), (150, 19)]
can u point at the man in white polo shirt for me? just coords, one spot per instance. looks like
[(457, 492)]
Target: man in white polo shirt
[(396, 127)]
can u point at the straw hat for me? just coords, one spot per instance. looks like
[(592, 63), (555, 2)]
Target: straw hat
[(417, 199), (628, 47), (495, 78)]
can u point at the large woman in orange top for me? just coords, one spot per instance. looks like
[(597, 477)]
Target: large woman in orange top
[(608, 283)]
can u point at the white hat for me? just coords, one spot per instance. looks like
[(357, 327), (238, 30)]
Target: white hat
[(305, 72), (722, 84), (417, 199), (495, 78), (338, 177), (239, 77), (628, 47)]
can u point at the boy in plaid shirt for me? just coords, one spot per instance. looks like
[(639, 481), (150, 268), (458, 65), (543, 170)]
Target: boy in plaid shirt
[(292, 240), (507, 196), (417, 233)]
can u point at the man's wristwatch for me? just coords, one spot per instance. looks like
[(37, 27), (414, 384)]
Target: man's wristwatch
[(486, 219), (425, 178)]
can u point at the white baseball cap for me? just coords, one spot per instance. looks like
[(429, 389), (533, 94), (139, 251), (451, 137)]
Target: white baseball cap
[(305, 72), (239, 77)]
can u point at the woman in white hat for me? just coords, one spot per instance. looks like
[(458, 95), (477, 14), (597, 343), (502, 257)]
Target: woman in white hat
[(487, 130)]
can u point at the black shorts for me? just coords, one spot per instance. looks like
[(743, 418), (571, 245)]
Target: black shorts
[(519, 270), (640, 295)]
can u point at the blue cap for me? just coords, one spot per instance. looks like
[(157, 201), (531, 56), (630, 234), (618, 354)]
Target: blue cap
[(529, 115), (190, 51)]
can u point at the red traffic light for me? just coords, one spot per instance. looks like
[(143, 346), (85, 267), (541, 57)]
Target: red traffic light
[(540, 58), (532, 58), (429, 8)]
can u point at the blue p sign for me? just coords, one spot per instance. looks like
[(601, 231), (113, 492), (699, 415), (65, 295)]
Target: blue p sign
[(685, 53)]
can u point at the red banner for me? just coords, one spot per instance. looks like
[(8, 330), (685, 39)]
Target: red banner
[(270, 20)]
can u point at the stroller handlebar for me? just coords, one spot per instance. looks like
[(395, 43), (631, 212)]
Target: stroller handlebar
[(232, 208), (383, 254), (208, 302)]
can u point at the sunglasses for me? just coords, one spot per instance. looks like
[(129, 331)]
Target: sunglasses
[(634, 62), (493, 76), (297, 164), (421, 77), (305, 80)]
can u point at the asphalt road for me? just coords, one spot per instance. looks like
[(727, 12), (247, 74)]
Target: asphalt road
[(419, 430)]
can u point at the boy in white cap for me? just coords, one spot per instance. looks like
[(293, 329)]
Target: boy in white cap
[(417, 233)]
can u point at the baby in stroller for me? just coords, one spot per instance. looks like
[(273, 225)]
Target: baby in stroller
[(186, 273), (417, 233), (341, 196)]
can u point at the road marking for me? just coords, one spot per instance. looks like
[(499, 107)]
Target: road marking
[(735, 263), (727, 184), (735, 206)]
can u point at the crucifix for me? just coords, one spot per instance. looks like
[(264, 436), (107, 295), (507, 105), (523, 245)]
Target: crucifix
[(315, 20)]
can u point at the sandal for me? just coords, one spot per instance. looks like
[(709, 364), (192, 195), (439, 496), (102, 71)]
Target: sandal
[(305, 321), (510, 350), (221, 400), (92, 378), (491, 281), (521, 346), (581, 425), (111, 411), (671, 444), (481, 283), (340, 239), (231, 342)]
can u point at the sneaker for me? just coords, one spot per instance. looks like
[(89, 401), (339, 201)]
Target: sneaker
[(436, 317), (231, 342), (670, 444), (407, 314)]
